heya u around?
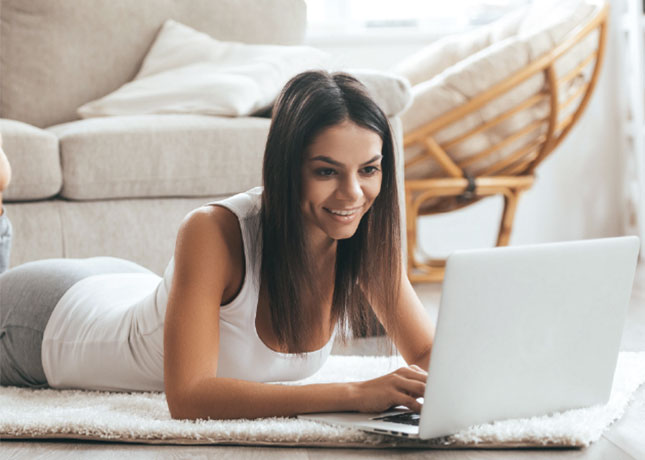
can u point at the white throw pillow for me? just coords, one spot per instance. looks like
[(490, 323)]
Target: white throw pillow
[(187, 71), (391, 92)]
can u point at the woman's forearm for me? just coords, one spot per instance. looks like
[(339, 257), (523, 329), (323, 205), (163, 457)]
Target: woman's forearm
[(222, 398)]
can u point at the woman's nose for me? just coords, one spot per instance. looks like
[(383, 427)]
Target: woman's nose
[(350, 189)]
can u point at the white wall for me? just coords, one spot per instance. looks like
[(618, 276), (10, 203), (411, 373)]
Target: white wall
[(578, 192)]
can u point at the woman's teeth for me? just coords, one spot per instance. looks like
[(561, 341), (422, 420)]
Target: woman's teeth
[(342, 213)]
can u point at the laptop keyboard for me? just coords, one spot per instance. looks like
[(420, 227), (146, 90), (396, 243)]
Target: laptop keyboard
[(407, 418)]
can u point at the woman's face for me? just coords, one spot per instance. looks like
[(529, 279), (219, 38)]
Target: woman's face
[(341, 179)]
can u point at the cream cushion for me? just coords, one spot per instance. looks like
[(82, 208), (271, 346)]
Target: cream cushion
[(438, 56), (35, 163), (187, 71), (390, 91), (160, 156), (478, 72), (85, 50)]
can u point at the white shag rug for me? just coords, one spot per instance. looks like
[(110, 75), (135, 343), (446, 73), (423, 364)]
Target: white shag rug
[(144, 417)]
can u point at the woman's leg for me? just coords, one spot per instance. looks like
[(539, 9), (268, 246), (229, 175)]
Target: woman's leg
[(28, 295)]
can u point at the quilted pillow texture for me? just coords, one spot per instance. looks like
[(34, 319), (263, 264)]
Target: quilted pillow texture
[(449, 73), (187, 71)]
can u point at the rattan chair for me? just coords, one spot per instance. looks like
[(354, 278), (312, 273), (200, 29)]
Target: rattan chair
[(510, 174)]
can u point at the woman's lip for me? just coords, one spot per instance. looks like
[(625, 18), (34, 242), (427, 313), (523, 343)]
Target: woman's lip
[(346, 218), (344, 209)]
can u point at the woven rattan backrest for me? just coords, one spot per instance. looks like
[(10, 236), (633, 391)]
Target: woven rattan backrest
[(563, 100)]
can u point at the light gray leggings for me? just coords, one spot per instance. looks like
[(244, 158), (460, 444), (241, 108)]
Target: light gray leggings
[(28, 295)]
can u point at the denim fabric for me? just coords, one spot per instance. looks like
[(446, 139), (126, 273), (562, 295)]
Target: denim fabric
[(5, 241)]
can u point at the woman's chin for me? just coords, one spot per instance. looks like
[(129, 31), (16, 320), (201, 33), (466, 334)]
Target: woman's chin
[(342, 234)]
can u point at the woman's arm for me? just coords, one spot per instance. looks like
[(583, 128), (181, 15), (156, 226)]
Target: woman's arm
[(413, 332), (416, 330), (209, 269), (222, 398)]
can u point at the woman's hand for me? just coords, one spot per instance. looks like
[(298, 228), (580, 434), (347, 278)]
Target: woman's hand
[(399, 388)]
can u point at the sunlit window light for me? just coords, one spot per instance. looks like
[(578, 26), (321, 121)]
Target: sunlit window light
[(344, 16)]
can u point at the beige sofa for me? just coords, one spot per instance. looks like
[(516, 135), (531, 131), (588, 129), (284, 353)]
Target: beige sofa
[(119, 186)]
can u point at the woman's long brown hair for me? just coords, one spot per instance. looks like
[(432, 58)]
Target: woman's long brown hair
[(368, 264)]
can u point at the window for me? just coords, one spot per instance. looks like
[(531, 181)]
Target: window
[(438, 17)]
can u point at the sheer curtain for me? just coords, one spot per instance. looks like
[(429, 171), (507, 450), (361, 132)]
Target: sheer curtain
[(629, 15)]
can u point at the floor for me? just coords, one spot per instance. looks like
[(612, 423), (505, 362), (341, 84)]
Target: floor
[(624, 440)]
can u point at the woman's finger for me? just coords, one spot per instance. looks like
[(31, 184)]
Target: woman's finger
[(410, 373), (411, 387), (411, 403)]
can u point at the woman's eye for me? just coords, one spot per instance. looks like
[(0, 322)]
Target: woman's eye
[(325, 172), (369, 170)]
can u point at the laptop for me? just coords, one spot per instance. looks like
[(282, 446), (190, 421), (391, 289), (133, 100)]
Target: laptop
[(522, 331)]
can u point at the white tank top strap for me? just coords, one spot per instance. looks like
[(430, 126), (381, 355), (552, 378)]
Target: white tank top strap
[(242, 204)]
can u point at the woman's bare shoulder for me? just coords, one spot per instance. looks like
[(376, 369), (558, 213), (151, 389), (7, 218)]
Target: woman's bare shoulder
[(210, 240), (212, 223)]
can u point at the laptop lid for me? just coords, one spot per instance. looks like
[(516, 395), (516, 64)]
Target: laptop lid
[(527, 330)]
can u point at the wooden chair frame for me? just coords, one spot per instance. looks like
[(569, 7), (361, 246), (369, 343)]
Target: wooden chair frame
[(514, 173)]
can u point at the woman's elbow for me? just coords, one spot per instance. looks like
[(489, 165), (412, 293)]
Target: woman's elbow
[(177, 408), (193, 404), (179, 404)]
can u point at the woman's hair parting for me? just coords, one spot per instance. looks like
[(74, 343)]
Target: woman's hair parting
[(368, 265)]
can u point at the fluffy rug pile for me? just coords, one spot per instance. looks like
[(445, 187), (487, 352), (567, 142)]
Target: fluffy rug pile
[(144, 417)]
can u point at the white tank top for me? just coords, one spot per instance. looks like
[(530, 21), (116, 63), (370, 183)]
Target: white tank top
[(106, 332)]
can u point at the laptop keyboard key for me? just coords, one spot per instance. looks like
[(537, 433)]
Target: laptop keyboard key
[(406, 418)]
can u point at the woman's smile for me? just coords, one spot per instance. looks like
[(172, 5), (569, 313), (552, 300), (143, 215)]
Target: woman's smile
[(344, 215)]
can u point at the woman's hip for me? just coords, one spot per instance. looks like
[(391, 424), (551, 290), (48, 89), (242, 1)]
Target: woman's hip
[(28, 295)]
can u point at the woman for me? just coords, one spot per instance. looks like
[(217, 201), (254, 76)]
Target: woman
[(257, 287)]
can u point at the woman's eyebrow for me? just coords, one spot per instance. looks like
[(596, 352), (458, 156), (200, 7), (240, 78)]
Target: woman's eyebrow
[(337, 163), (375, 158)]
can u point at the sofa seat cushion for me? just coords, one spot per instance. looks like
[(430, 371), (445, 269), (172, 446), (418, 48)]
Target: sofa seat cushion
[(160, 156), (34, 159)]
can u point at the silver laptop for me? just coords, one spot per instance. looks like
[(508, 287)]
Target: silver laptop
[(522, 331)]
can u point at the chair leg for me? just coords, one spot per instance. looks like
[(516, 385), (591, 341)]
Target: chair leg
[(419, 271), (511, 198), (411, 231), (432, 270)]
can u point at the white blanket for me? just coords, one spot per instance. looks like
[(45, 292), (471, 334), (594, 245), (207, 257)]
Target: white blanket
[(144, 417)]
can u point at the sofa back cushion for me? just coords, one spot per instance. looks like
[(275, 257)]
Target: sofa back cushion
[(56, 55)]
